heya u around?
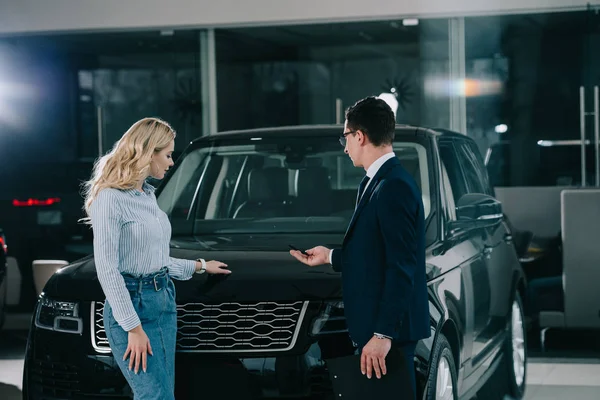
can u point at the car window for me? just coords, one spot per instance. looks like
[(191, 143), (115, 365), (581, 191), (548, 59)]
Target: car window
[(448, 195), (450, 162), (469, 159), (480, 164)]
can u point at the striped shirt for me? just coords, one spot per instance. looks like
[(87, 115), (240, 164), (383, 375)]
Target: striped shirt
[(131, 236)]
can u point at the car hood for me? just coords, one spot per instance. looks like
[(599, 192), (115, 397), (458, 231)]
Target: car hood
[(262, 270)]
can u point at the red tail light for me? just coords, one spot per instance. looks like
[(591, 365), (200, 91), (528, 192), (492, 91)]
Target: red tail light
[(35, 202), (3, 245)]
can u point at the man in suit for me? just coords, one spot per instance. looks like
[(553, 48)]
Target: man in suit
[(382, 258)]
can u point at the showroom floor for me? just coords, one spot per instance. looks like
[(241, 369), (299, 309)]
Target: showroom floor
[(564, 372)]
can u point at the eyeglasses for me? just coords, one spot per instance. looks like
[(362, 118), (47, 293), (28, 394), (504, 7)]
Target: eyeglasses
[(343, 139)]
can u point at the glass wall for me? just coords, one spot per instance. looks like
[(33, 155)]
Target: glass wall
[(265, 76), (526, 80), (127, 76), (290, 75), (95, 86), (35, 104), (526, 75)]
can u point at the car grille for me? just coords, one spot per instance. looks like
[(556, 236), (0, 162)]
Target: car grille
[(99, 340), (53, 380), (225, 327)]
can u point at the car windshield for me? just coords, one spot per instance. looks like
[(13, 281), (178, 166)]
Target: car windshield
[(272, 185)]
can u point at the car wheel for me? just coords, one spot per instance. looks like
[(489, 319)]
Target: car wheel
[(516, 350), (441, 384)]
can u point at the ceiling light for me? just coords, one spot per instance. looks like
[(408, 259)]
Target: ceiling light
[(502, 128)]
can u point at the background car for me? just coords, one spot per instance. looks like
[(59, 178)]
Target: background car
[(266, 330), (39, 213)]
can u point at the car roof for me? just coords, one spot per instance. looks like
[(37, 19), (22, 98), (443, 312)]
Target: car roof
[(312, 130)]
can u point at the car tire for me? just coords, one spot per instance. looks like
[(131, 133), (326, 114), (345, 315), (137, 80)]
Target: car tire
[(441, 383), (516, 350)]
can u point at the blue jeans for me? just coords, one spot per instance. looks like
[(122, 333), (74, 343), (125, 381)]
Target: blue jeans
[(153, 297)]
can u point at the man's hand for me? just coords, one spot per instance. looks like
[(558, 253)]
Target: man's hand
[(316, 256), (373, 357)]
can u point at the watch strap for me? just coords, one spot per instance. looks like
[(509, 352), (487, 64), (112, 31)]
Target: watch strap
[(380, 336), (203, 268)]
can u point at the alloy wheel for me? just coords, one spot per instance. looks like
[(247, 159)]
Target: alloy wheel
[(444, 389), (518, 344)]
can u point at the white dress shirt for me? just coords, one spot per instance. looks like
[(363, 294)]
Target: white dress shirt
[(377, 164)]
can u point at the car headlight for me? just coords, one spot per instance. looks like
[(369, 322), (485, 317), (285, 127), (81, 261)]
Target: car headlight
[(330, 320), (59, 316)]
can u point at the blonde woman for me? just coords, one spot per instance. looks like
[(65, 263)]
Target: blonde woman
[(131, 252)]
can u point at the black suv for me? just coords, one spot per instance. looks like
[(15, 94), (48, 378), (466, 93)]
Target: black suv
[(266, 330)]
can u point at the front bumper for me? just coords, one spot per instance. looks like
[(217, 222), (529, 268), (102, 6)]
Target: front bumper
[(66, 366)]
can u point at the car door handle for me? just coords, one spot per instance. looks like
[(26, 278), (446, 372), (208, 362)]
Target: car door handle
[(487, 251)]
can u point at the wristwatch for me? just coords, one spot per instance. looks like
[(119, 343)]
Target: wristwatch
[(380, 336), (203, 262)]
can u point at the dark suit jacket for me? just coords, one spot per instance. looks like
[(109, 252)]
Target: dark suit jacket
[(382, 260)]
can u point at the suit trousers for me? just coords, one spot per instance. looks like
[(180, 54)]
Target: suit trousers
[(409, 353), (408, 349)]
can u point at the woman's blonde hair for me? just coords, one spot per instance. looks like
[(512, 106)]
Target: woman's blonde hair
[(128, 163)]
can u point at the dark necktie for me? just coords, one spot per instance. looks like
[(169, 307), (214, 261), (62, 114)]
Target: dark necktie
[(361, 188)]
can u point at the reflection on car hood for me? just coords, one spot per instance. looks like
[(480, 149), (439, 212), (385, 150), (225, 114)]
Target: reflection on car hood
[(256, 242), (262, 270)]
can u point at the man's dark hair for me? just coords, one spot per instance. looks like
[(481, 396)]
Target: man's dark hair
[(374, 118)]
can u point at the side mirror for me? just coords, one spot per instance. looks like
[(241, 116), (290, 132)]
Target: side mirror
[(475, 210)]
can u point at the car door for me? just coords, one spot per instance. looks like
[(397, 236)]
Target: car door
[(468, 246), (501, 255), (492, 281)]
